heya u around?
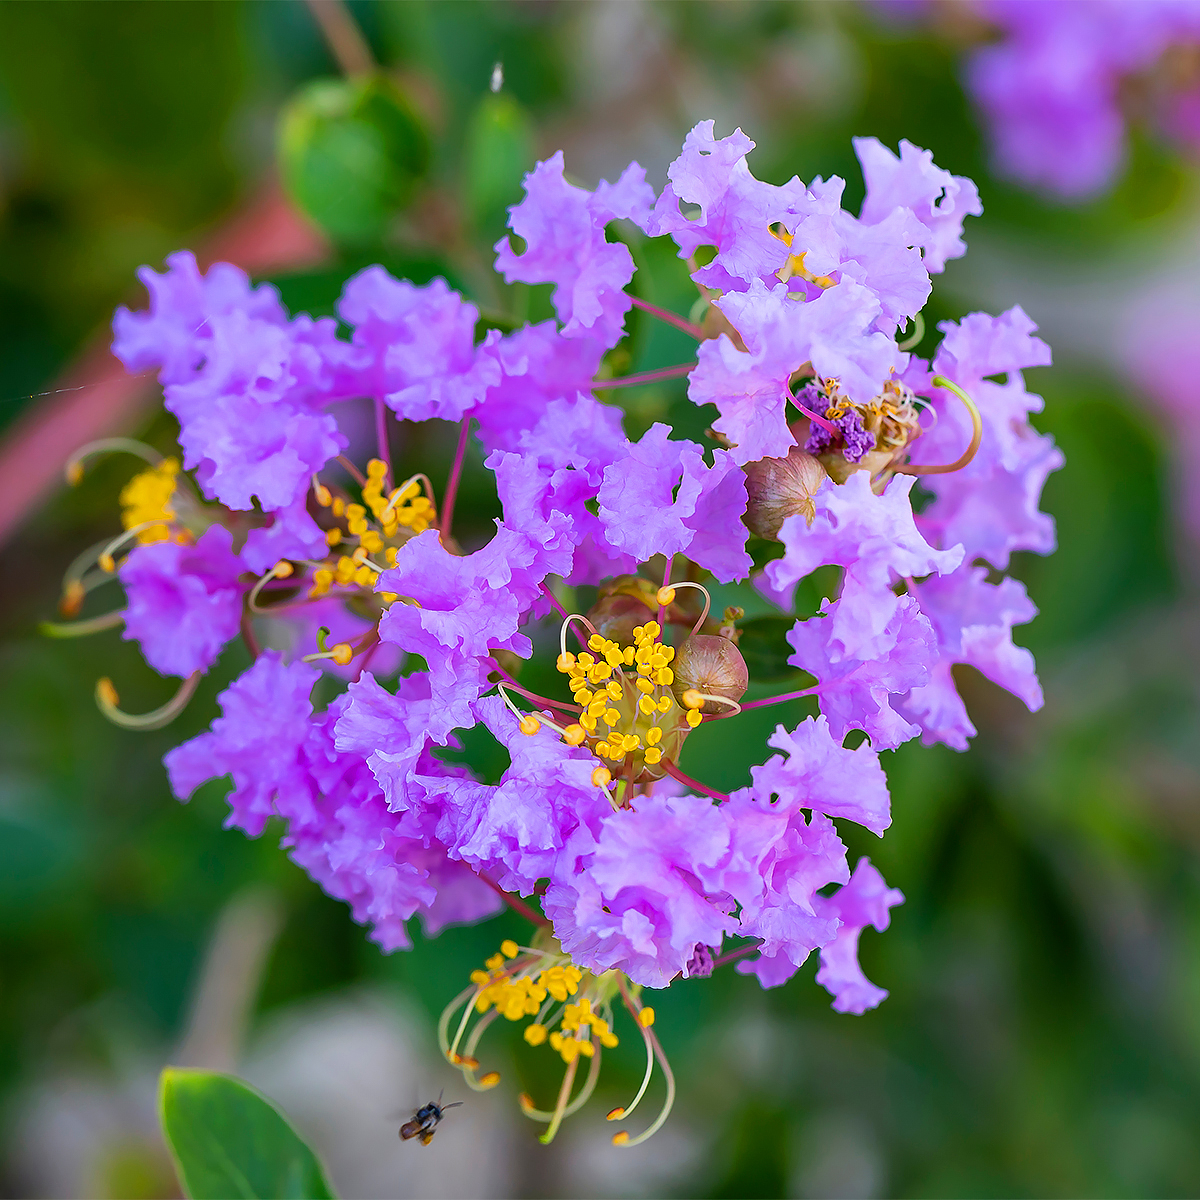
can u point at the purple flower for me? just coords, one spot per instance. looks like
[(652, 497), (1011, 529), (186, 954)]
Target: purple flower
[(174, 334), (865, 900), (651, 889), (661, 498), (886, 647), (874, 537), (418, 346), (1050, 90), (936, 198), (989, 506), (259, 740), (537, 366), (563, 230), (185, 602), (973, 621)]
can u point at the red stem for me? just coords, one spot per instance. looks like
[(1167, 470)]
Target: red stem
[(812, 691), (812, 416), (562, 612), (688, 781), (510, 682), (381, 436), (675, 372), (738, 953), (671, 318), (455, 474), (515, 903)]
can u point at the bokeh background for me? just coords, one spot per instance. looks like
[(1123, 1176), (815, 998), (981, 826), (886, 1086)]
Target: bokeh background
[(1043, 1033)]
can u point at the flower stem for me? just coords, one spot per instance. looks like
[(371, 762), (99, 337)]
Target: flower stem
[(828, 426), (343, 37), (671, 318), (738, 953), (381, 436), (688, 781), (562, 612), (455, 474), (812, 691), (675, 372), (515, 902)]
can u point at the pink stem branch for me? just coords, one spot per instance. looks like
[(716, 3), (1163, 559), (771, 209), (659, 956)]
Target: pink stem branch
[(738, 953), (515, 903), (545, 700), (381, 436), (695, 784), (671, 318), (812, 691), (562, 612), (828, 426), (676, 372), (455, 474)]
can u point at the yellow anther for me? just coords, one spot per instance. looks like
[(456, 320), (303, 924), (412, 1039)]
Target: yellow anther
[(628, 656), (615, 1114), (586, 660), (509, 948), (376, 468), (489, 1080), (570, 1050), (495, 962), (530, 724), (107, 563), (333, 537), (613, 688), (392, 555), (372, 542), (601, 776), (611, 717), (653, 755), (664, 705), (644, 685), (619, 1139), (646, 1017), (653, 736), (574, 735), (665, 596), (480, 977), (652, 629), (604, 750), (614, 655), (365, 576), (588, 722), (283, 569), (338, 507), (342, 653), (525, 1100), (565, 662), (389, 597), (323, 495), (646, 705), (692, 699), (693, 718), (664, 676), (323, 575), (106, 691), (587, 1048), (596, 642), (609, 1040)]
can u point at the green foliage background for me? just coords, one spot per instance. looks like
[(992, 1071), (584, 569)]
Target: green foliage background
[(1043, 1032)]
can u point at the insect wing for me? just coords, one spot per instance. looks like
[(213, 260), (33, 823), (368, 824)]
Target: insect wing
[(410, 1129)]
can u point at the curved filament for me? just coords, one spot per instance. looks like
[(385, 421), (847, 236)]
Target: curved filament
[(111, 445), (106, 699), (560, 1108), (914, 338), (562, 632), (968, 454), (74, 629), (585, 1094)]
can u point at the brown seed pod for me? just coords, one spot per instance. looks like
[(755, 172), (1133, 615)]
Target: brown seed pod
[(778, 488), (709, 663)]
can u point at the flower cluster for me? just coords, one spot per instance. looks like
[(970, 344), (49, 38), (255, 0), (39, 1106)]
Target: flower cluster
[(1055, 88), (824, 422)]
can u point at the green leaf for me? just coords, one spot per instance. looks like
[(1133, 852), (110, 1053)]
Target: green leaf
[(352, 151), (499, 152), (765, 648), (229, 1141)]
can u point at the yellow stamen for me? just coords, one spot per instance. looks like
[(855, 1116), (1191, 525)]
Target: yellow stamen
[(530, 724)]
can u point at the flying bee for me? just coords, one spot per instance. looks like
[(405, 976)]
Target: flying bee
[(426, 1120)]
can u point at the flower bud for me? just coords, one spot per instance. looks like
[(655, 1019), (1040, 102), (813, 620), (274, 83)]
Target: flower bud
[(709, 663), (779, 488)]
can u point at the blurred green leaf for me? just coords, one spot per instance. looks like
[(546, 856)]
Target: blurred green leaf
[(228, 1141), (765, 648), (352, 152), (499, 152)]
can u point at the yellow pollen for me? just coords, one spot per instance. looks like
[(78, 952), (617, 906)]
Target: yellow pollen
[(693, 718), (530, 724), (489, 1080), (509, 948), (283, 569), (653, 755), (322, 493), (601, 777), (665, 596), (646, 1017), (535, 1034), (495, 962), (107, 563), (619, 1139), (342, 653), (147, 497), (615, 1114), (332, 537), (574, 735), (692, 699), (105, 689)]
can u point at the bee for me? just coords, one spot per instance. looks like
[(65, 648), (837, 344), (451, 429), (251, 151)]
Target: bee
[(426, 1120)]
